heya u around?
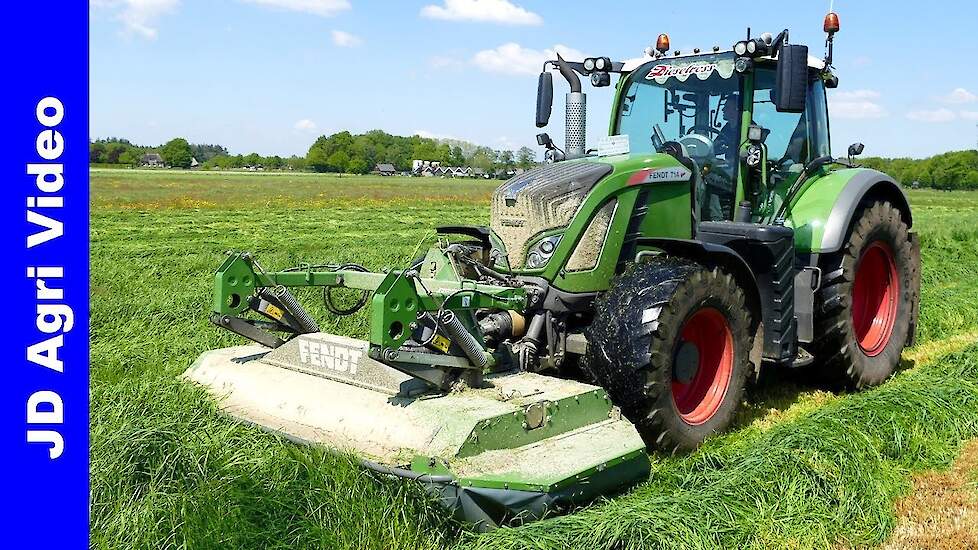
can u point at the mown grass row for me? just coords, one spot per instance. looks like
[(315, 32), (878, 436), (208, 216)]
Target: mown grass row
[(169, 470), (827, 477)]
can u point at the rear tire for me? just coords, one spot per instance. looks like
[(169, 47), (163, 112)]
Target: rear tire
[(670, 343), (865, 305)]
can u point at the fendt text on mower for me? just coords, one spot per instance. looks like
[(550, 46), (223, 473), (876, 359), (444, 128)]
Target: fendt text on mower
[(619, 301)]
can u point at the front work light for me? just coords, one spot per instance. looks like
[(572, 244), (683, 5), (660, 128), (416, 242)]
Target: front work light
[(740, 48)]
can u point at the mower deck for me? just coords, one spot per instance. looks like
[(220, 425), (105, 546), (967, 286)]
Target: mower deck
[(520, 446)]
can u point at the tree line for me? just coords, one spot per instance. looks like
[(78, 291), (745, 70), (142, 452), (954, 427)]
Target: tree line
[(178, 153), (340, 152), (948, 171), (358, 154)]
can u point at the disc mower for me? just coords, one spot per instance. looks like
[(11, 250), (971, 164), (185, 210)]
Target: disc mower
[(620, 300)]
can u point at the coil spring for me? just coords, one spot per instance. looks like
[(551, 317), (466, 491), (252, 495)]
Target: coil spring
[(292, 306), (470, 346)]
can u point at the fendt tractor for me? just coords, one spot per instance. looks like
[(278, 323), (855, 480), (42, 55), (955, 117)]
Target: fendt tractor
[(619, 302)]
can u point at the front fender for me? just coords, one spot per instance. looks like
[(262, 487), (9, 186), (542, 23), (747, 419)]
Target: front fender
[(822, 214)]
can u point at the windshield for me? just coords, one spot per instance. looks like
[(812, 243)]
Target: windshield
[(694, 101)]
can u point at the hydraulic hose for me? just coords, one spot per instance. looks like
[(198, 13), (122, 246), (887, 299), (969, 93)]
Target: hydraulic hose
[(406, 474)]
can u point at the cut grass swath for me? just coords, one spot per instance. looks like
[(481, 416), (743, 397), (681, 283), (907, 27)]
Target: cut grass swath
[(826, 477)]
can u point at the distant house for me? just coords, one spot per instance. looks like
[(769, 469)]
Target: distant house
[(384, 169), (193, 162), (434, 168), (151, 160)]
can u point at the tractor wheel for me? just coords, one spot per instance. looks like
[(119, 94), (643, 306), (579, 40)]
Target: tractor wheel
[(865, 304), (670, 343)]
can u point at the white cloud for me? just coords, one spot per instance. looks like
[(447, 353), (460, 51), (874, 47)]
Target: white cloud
[(345, 39), (959, 96), (324, 8), (432, 135), (491, 11), (444, 62), (305, 125), (139, 16), (857, 104), (511, 58), (937, 115), (969, 115)]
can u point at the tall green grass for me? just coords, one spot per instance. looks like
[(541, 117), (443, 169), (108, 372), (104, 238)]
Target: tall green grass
[(168, 470)]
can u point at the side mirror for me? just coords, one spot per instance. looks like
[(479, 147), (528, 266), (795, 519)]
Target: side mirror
[(791, 81), (856, 149), (545, 98)]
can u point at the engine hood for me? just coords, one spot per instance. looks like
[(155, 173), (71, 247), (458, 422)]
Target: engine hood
[(541, 199)]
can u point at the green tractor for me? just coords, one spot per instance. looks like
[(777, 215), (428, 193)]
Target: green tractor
[(620, 301)]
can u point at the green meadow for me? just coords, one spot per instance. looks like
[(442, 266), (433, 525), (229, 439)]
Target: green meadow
[(804, 467)]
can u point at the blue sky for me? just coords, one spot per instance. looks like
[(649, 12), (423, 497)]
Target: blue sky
[(269, 76)]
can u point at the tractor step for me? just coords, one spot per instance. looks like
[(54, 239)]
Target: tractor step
[(803, 359)]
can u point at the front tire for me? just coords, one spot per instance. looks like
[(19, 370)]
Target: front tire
[(670, 343), (866, 301)]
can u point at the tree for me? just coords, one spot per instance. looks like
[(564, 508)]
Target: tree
[(317, 158), (358, 166), (130, 157), (483, 158), (506, 159), (176, 153), (456, 157), (338, 161), (526, 158)]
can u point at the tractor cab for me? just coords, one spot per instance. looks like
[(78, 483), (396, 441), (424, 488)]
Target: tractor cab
[(715, 109)]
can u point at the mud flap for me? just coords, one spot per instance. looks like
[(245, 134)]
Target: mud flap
[(915, 266)]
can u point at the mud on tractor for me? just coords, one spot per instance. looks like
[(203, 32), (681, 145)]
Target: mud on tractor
[(620, 300)]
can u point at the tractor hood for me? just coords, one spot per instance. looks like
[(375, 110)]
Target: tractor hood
[(541, 199)]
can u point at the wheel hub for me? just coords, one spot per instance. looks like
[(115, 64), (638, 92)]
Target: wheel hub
[(687, 363), (702, 366), (875, 293)]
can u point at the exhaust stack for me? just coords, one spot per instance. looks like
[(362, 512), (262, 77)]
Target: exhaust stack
[(575, 118)]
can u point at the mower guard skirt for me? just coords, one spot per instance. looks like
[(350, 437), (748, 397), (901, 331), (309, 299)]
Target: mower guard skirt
[(521, 447)]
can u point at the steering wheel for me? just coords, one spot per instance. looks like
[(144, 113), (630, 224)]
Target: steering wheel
[(704, 130), (698, 147)]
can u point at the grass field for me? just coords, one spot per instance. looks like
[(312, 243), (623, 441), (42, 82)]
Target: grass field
[(803, 468)]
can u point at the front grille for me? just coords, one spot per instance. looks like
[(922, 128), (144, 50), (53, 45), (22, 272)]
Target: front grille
[(543, 198)]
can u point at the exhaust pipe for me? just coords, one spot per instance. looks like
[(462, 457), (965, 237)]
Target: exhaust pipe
[(575, 112)]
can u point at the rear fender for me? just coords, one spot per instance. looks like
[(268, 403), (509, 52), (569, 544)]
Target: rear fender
[(823, 213)]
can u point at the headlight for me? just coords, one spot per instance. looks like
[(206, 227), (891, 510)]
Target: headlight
[(740, 48), (540, 253)]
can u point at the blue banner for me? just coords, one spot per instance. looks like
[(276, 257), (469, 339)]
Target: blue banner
[(44, 164)]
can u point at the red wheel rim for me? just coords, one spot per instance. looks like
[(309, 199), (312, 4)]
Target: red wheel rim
[(699, 399), (875, 293)]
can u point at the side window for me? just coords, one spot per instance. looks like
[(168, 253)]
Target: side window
[(818, 128), (788, 138)]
